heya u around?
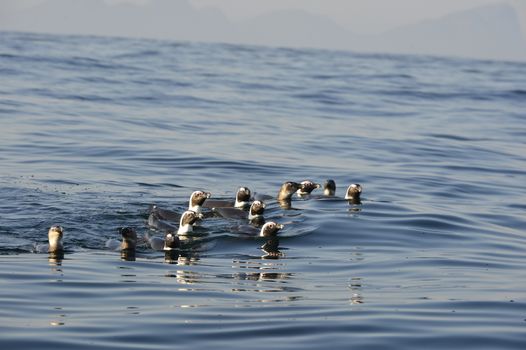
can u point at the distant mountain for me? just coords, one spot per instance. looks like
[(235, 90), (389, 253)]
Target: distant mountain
[(486, 32), (295, 28), (169, 19)]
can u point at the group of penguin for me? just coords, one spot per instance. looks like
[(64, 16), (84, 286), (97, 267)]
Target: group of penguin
[(245, 206)]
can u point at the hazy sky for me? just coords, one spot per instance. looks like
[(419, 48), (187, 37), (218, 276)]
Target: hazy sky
[(362, 25), (360, 16)]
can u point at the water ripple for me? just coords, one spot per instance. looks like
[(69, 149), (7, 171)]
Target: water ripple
[(97, 129)]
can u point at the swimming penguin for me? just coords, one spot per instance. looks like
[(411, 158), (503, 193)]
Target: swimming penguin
[(329, 188), (353, 194), (197, 198), (165, 214), (242, 200), (188, 218), (157, 216), (154, 221), (287, 190), (129, 240), (285, 193), (54, 245), (55, 235), (169, 242), (306, 188), (267, 230), (270, 229), (129, 243), (255, 214)]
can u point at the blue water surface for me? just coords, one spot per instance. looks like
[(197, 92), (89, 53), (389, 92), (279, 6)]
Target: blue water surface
[(95, 129)]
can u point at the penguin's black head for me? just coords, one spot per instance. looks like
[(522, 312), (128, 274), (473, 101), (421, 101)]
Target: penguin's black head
[(329, 188), (353, 192), (171, 241), (198, 198), (307, 187), (189, 217), (128, 234), (270, 229), (243, 194), (287, 190), (257, 208)]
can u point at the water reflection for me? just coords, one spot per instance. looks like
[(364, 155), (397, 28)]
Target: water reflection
[(180, 257), (263, 276), (129, 278), (128, 254), (171, 256), (355, 208), (55, 262), (271, 249), (186, 277), (59, 321), (132, 310), (55, 258), (354, 201), (266, 272), (355, 285), (183, 258)]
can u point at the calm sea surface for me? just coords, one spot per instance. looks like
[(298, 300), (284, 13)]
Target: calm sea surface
[(94, 130)]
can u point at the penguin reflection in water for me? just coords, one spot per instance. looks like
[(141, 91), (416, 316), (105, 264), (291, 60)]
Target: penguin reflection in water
[(271, 249)]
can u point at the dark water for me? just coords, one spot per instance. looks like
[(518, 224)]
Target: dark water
[(94, 130)]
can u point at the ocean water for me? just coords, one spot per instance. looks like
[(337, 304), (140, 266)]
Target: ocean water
[(94, 130)]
